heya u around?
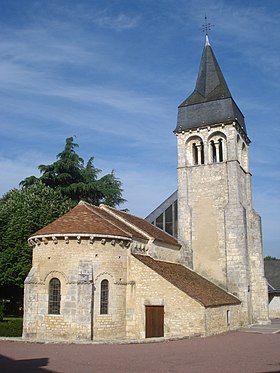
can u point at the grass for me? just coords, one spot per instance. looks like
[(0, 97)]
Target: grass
[(11, 327)]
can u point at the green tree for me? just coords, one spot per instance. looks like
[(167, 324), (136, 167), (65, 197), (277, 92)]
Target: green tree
[(22, 212), (268, 257), (77, 181)]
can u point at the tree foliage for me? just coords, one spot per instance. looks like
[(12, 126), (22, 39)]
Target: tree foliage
[(41, 200), (78, 181), (268, 257), (22, 212)]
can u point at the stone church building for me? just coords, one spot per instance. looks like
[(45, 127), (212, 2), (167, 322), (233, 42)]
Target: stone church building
[(194, 267)]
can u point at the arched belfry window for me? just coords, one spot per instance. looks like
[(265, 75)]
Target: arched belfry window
[(54, 296), (104, 297), (217, 148), (195, 151)]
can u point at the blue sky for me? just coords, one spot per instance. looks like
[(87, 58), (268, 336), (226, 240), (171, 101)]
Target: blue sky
[(112, 73)]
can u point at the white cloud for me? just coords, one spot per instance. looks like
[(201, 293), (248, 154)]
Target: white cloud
[(118, 22)]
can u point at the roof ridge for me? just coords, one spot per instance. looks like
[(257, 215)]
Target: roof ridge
[(89, 207), (112, 210)]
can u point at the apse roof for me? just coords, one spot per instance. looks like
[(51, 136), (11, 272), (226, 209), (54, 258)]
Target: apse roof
[(191, 283), (103, 220)]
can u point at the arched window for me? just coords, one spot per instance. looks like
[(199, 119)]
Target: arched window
[(195, 151), (54, 296), (104, 297), (217, 148)]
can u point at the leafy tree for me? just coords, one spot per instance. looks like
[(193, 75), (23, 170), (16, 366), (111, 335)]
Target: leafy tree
[(61, 186), (77, 181), (268, 257), (22, 212)]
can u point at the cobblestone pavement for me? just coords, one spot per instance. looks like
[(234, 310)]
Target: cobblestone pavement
[(226, 353)]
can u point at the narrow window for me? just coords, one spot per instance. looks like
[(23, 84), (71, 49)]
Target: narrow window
[(221, 156), (54, 296), (195, 154), (104, 297), (175, 210), (213, 151), (169, 220), (228, 317), (202, 153), (159, 221)]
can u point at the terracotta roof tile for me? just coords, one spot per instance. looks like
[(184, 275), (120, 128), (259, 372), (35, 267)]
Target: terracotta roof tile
[(197, 287), (104, 214), (82, 219), (146, 227), (88, 219)]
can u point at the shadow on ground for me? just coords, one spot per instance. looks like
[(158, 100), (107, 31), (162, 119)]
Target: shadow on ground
[(20, 366)]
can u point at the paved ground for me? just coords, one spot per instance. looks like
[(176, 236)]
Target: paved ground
[(273, 328), (232, 352)]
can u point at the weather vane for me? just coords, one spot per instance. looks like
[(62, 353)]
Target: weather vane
[(206, 26)]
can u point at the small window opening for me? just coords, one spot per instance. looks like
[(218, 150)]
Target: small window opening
[(213, 151), (54, 296), (104, 297), (228, 317), (195, 154), (221, 156), (202, 153)]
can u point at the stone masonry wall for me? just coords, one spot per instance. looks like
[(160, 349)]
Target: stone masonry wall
[(223, 319), (217, 225), (183, 316), (80, 266)]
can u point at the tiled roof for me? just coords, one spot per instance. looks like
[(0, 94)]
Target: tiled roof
[(197, 287), (144, 226), (103, 220), (83, 218), (272, 273)]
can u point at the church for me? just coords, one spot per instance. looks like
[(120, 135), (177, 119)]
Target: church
[(193, 267)]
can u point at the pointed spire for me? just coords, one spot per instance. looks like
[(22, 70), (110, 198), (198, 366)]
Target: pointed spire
[(210, 84), (211, 101)]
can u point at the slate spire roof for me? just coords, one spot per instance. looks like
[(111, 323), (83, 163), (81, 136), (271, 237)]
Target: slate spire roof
[(211, 102), (210, 84)]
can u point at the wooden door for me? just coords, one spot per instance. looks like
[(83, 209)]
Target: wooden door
[(154, 321)]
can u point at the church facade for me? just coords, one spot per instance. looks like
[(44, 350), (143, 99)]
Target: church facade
[(99, 273)]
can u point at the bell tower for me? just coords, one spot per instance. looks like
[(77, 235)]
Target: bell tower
[(218, 228)]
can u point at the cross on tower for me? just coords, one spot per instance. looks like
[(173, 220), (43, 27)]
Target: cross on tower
[(206, 26)]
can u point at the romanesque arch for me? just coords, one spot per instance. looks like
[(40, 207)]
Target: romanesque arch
[(217, 147), (195, 151)]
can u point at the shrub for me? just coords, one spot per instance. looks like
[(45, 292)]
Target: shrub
[(1, 311), (11, 327)]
